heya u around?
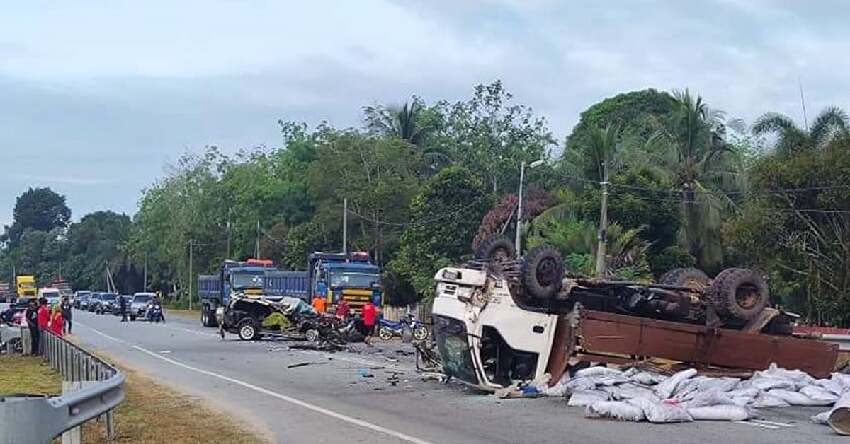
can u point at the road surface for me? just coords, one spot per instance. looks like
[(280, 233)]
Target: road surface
[(329, 401)]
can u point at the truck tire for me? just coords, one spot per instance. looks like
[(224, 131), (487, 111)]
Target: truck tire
[(542, 271), (686, 277), (496, 248), (208, 316), (739, 293), (248, 329)]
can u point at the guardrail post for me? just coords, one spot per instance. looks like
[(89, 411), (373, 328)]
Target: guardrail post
[(110, 425)]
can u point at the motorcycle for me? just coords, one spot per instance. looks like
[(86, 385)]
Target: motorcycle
[(387, 329), (154, 313)]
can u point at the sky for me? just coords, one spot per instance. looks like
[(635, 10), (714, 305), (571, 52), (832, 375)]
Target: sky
[(98, 98)]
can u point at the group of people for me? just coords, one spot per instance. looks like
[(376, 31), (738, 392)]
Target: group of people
[(41, 318), (369, 315)]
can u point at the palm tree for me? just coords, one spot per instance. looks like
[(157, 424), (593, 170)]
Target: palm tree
[(603, 144), (694, 156), (830, 123), (397, 121)]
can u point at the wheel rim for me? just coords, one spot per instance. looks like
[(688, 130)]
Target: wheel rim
[(385, 334), (546, 272), (247, 331), (420, 333), (312, 335), (747, 296)]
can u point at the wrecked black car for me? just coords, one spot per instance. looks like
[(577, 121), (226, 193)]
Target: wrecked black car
[(252, 318)]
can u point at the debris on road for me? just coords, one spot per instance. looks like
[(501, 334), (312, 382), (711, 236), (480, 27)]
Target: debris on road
[(365, 373), (304, 364)]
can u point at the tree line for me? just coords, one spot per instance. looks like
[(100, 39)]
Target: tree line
[(427, 183)]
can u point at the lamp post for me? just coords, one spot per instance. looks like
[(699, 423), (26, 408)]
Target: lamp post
[(534, 164)]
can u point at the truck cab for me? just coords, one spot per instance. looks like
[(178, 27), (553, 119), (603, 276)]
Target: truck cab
[(25, 286), (246, 278), (351, 277)]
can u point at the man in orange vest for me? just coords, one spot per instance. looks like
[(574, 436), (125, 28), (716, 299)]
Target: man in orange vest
[(319, 304)]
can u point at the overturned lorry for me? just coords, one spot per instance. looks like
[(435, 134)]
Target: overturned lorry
[(498, 320)]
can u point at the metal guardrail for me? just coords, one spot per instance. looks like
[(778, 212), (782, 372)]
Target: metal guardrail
[(39, 419)]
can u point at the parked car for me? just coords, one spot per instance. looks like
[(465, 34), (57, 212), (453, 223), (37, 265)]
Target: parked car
[(81, 299), (107, 301), (139, 305), (52, 295), (94, 300)]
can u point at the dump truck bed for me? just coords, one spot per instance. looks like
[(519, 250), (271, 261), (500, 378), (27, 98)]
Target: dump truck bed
[(608, 337)]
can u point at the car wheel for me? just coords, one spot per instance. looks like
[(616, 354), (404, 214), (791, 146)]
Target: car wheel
[(248, 330), (312, 335)]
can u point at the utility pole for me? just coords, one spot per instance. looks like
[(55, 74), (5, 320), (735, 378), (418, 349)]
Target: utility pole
[(190, 273), (228, 239), (519, 209), (603, 224), (145, 286), (257, 245), (344, 225)]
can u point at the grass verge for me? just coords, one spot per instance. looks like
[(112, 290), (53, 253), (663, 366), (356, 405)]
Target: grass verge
[(183, 313), (28, 374), (150, 414), (153, 413)]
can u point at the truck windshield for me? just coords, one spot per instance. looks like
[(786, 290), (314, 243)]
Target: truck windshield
[(453, 346), (353, 279), (246, 280)]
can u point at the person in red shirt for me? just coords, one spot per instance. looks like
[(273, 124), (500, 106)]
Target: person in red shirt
[(368, 322), (43, 315), (57, 321), (342, 310)]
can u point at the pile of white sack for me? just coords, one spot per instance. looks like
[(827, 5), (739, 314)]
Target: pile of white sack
[(638, 395)]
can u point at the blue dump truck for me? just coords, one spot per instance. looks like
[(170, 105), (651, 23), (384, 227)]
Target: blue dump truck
[(334, 276)]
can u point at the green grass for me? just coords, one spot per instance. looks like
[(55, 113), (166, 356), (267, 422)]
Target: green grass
[(28, 374)]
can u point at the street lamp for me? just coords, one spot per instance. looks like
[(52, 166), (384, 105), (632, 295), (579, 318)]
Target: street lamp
[(534, 164)]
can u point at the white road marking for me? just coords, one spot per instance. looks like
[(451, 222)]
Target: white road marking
[(282, 397), (755, 424)]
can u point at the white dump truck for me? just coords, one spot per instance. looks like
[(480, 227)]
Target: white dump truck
[(499, 320)]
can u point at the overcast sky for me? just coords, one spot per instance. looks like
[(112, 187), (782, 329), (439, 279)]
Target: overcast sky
[(97, 97)]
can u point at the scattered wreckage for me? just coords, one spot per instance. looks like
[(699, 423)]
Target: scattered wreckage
[(498, 320)]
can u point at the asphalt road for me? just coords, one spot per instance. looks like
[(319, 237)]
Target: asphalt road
[(329, 401)]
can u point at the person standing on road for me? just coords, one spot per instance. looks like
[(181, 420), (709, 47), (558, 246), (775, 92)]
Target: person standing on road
[(43, 314), (67, 314), (32, 322), (342, 310), (368, 322), (123, 307), (56, 320)]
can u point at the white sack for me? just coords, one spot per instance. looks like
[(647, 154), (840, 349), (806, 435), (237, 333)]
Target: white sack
[(765, 400), (668, 387), (660, 412), (583, 398), (795, 398), (719, 413), (819, 394), (616, 410)]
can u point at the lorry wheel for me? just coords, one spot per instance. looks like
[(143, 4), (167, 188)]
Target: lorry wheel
[(686, 277), (739, 293), (248, 330), (542, 271), (385, 333), (496, 248)]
